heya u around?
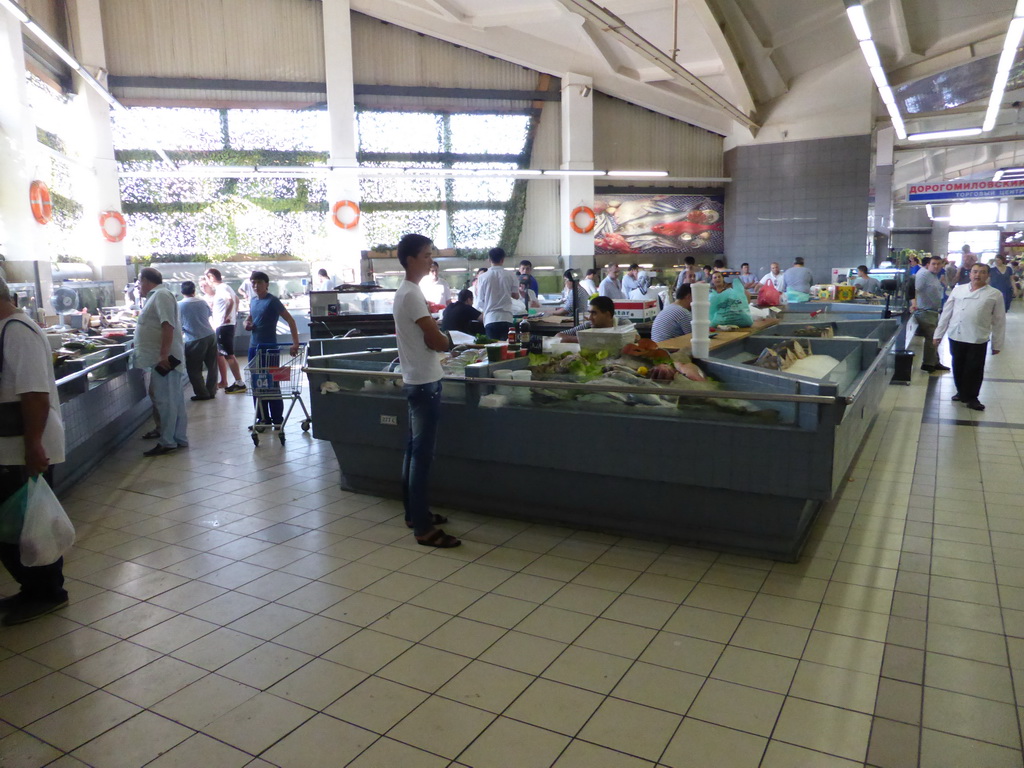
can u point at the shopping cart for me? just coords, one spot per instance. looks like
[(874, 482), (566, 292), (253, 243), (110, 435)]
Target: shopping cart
[(274, 376)]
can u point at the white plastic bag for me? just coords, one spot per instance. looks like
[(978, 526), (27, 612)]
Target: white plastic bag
[(47, 533)]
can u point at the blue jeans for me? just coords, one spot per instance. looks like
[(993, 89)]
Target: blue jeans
[(497, 331), (271, 407), (169, 401), (424, 416)]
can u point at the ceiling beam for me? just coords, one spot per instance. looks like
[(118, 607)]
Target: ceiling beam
[(446, 10), (612, 24), (940, 62), (901, 34)]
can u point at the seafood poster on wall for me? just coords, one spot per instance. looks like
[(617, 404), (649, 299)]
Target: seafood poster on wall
[(659, 224)]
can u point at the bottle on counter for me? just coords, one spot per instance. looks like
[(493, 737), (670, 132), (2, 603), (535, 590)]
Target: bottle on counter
[(513, 337), (524, 333)]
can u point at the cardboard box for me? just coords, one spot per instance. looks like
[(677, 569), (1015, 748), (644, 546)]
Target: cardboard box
[(637, 311)]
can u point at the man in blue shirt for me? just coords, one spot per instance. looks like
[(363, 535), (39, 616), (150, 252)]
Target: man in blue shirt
[(200, 342), (264, 312)]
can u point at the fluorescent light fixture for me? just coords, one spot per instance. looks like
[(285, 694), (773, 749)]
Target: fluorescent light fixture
[(870, 53), (878, 75), (642, 174), (888, 97), (897, 121), (14, 9), (998, 175), (929, 211), (1009, 53), (859, 22), (573, 172), (951, 134)]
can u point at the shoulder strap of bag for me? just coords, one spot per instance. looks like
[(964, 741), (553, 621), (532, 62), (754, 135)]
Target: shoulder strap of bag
[(3, 333)]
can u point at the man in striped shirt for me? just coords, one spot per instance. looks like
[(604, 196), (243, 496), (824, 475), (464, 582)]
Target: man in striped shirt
[(675, 319)]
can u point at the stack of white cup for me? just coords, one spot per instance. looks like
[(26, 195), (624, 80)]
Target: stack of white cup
[(700, 307), (521, 394)]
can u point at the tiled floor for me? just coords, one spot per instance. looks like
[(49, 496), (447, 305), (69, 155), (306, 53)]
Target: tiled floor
[(232, 607)]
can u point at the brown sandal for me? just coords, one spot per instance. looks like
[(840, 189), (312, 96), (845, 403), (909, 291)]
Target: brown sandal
[(438, 538)]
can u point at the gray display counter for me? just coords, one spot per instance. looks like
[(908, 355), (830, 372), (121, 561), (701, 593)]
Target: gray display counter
[(102, 405), (694, 474)]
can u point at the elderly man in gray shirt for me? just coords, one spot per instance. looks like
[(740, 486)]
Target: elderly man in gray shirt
[(926, 306)]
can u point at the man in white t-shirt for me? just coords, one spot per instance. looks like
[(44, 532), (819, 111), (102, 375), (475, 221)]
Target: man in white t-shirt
[(31, 440), (774, 277), (435, 289), (419, 341), (225, 311), (495, 290), (160, 350)]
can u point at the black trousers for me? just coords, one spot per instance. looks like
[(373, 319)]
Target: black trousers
[(968, 368), (45, 582)]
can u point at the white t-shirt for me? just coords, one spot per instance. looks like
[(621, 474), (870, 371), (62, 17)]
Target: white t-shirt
[(494, 289), (588, 286), (224, 305), (420, 364), (28, 367), (160, 308), (436, 291)]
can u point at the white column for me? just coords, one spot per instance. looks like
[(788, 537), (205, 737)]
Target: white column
[(21, 237), (577, 154), (104, 192), (343, 245)]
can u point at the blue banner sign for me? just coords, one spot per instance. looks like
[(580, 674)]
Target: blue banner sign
[(938, 191)]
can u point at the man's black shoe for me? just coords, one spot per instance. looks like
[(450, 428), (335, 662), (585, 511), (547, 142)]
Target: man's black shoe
[(976, 405), (159, 450), (197, 397), (955, 398), (151, 435), (32, 608), (927, 368), (941, 367), (9, 603)]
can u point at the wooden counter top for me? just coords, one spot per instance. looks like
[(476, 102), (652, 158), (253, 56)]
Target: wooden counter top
[(723, 337)]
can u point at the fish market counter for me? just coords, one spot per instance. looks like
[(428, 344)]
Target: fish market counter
[(742, 465), (101, 405)]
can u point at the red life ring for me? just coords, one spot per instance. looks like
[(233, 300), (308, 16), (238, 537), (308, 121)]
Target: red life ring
[(39, 199), (114, 234), (590, 219), (346, 205)]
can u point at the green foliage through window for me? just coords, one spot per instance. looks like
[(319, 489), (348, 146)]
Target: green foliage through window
[(267, 217)]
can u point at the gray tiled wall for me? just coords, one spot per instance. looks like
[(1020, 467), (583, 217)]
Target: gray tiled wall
[(800, 198)]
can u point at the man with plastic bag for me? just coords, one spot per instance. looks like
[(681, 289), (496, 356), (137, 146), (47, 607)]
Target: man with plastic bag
[(31, 440)]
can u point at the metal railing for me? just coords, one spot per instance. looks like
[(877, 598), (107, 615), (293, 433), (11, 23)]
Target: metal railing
[(623, 389), (90, 368)]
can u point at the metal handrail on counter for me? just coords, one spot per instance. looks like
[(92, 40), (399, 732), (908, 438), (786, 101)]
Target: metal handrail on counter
[(89, 368), (541, 384)]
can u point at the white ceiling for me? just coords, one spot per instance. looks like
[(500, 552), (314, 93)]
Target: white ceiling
[(756, 54)]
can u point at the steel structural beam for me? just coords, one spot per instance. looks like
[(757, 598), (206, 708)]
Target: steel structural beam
[(280, 86), (607, 20)]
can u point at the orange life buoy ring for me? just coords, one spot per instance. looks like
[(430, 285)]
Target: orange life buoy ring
[(116, 233), (346, 205), (39, 199), (590, 219)]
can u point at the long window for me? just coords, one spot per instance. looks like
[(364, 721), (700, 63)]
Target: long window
[(179, 218)]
